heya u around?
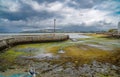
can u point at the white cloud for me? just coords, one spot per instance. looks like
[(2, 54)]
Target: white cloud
[(34, 5), (10, 6), (55, 6), (50, 7)]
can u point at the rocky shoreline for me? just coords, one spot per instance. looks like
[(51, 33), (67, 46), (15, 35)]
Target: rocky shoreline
[(55, 67), (45, 68)]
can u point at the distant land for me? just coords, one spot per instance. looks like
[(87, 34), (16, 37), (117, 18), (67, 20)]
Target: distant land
[(58, 30)]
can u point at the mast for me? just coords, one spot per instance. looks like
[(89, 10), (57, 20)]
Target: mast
[(54, 24), (118, 27)]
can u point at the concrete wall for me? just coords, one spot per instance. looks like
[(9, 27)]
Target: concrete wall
[(20, 39)]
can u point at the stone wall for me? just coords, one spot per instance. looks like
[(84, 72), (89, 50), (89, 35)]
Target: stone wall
[(115, 36), (23, 39)]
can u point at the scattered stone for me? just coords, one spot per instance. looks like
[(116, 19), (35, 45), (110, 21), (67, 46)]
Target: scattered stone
[(61, 51)]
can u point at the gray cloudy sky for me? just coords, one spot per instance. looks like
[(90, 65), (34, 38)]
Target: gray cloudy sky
[(22, 15)]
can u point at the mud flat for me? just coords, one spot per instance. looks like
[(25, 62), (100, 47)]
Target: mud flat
[(10, 41)]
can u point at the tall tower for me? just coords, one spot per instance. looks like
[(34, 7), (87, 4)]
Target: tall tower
[(118, 27), (54, 24)]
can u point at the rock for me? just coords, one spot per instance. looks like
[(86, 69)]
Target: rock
[(74, 40), (114, 67), (61, 51)]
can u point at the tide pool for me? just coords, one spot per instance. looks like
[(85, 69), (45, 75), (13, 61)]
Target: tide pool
[(17, 75)]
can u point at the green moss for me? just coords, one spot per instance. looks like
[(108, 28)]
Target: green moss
[(8, 58), (101, 75), (10, 55)]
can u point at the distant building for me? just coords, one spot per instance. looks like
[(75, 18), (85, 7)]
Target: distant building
[(118, 27)]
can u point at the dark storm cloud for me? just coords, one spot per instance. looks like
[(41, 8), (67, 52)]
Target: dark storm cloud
[(23, 15), (25, 12)]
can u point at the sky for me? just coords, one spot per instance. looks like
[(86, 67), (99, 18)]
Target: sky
[(80, 15)]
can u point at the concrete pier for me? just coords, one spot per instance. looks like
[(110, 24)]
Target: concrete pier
[(23, 39)]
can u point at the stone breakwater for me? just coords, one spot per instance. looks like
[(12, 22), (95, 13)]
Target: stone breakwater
[(115, 35), (23, 39)]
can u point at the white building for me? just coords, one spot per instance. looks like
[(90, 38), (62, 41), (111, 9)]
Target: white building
[(118, 27)]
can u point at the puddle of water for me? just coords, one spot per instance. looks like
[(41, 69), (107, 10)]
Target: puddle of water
[(1, 76), (17, 75), (43, 55), (77, 36), (26, 49)]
